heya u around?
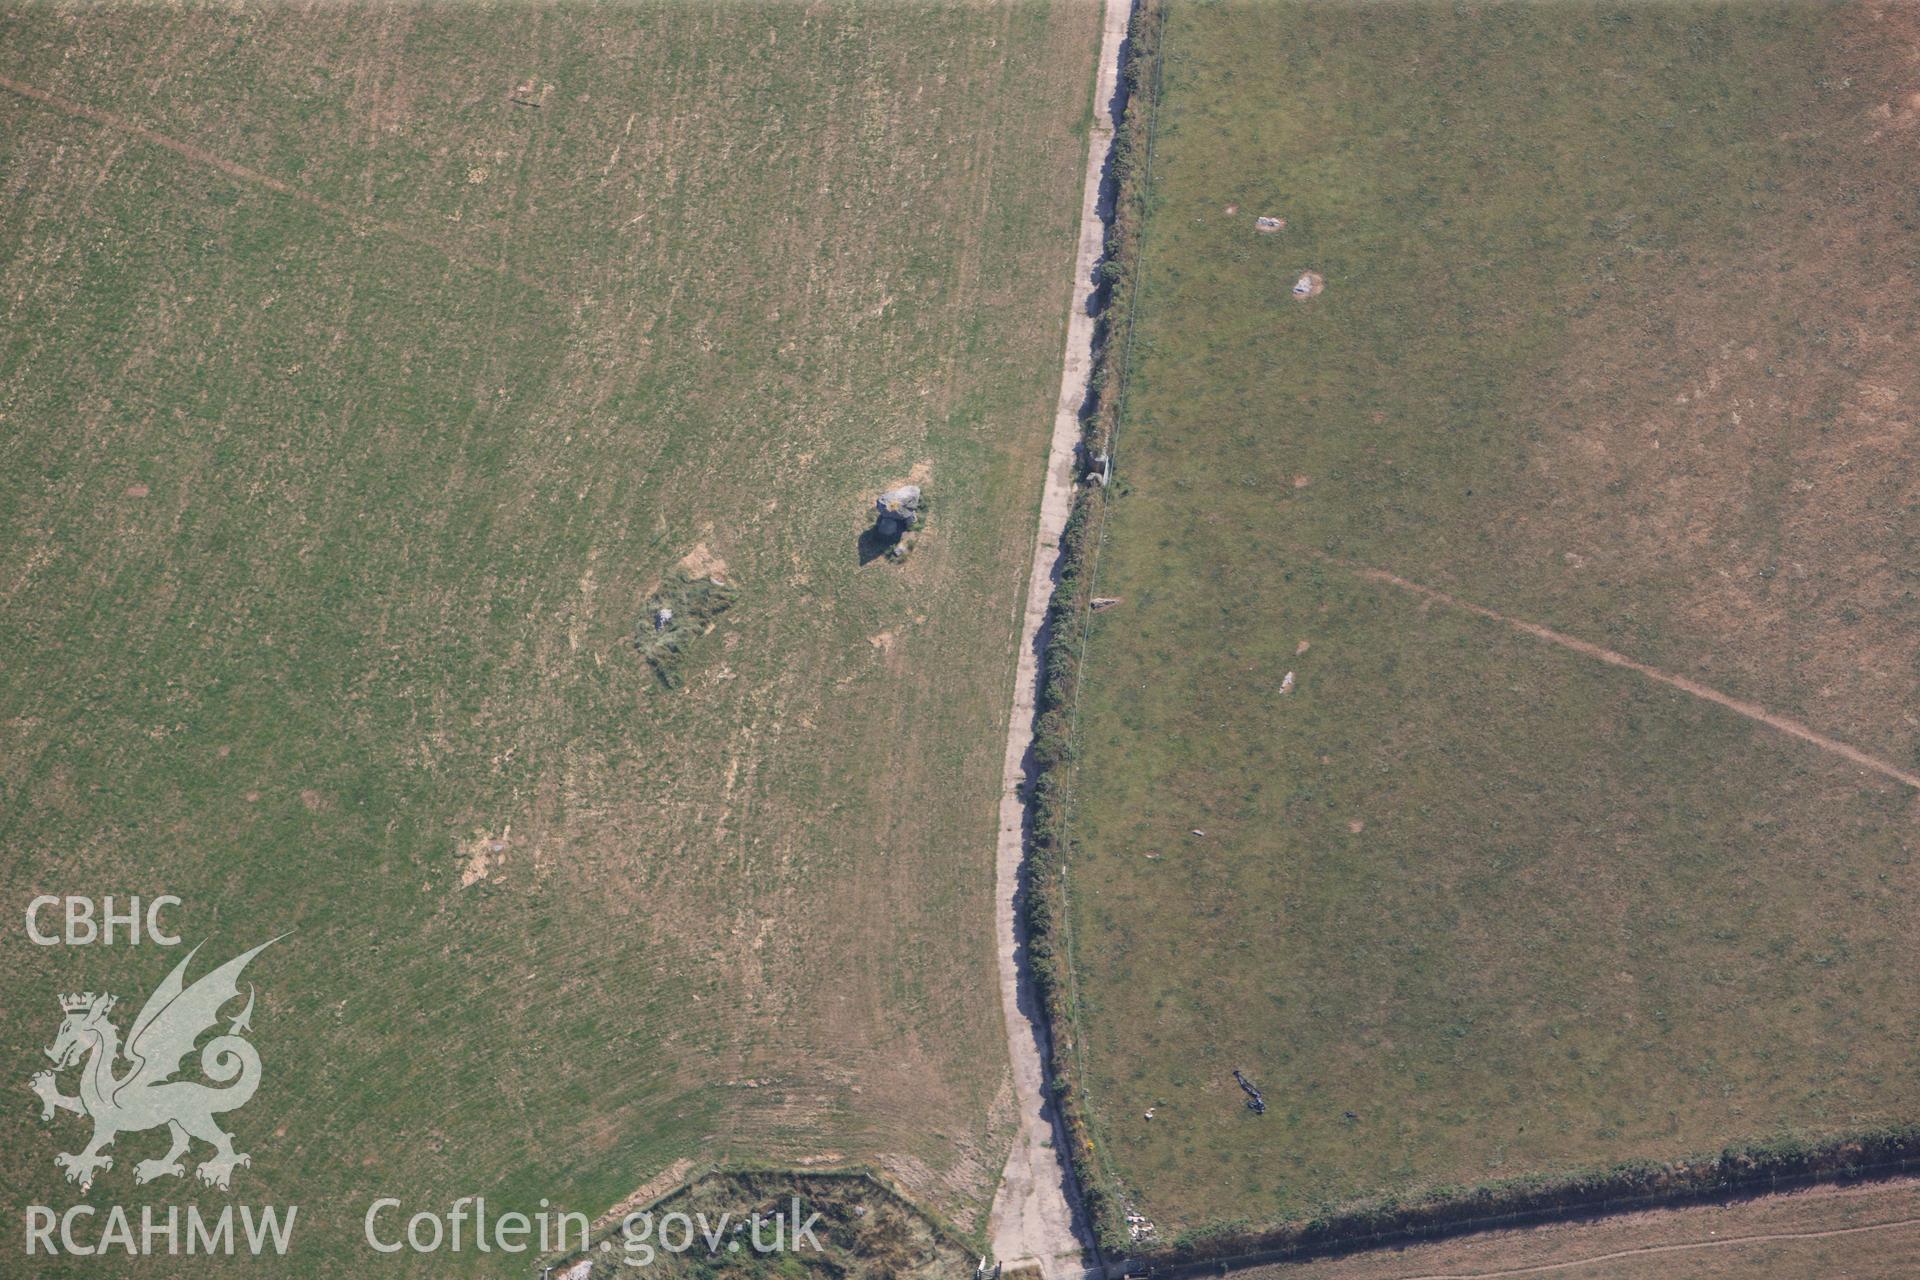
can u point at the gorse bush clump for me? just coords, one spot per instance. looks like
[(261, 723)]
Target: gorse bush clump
[(677, 616)]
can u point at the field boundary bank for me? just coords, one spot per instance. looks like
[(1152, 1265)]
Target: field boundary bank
[(1043, 905), (1738, 1172), (1677, 1246), (1539, 1203), (1039, 1218)]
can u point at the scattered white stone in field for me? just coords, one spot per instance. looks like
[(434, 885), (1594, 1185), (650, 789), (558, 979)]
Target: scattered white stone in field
[(1286, 684)]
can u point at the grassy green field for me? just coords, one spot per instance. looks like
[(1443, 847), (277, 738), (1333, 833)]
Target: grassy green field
[(363, 373), (1615, 339)]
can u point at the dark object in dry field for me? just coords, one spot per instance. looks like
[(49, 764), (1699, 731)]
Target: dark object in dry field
[(1255, 1103), (898, 510), (897, 513)]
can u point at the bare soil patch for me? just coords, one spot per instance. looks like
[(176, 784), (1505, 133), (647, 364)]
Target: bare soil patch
[(704, 562)]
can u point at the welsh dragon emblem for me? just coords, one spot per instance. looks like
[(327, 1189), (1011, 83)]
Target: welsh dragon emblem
[(145, 1095)]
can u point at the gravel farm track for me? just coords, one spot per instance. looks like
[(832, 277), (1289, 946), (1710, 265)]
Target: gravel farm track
[(1036, 1217)]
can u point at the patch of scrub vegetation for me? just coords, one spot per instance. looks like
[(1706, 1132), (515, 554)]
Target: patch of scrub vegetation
[(1611, 339), (848, 1226), (677, 617)]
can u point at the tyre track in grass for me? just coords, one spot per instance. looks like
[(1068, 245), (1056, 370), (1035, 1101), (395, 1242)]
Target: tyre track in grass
[(1751, 710)]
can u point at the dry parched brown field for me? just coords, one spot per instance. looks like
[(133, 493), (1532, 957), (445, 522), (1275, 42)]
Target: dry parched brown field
[(363, 374)]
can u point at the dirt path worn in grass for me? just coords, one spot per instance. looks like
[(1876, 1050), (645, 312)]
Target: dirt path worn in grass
[(358, 221), (1036, 1216), (1752, 711)]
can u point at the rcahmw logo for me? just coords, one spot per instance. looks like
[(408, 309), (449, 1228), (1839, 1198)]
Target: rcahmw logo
[(130, 1087)]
